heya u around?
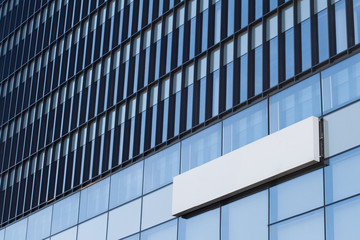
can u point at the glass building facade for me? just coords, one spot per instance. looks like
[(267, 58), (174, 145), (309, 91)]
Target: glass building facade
[(103, 102)]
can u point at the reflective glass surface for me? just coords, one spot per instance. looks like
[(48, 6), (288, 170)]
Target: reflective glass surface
[(245, 127), (296, 196), (201, 148), (69, 234), (94, 229), (246, 218), (204, 226), (65, 213), (341, 175), (124, 220), (126, 184), (308, 226), (295, 104), (156, 207), (94, 199), (341, 83), (39, 224), (166, 231)]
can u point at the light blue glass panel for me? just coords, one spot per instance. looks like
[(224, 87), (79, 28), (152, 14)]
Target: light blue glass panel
[(258, 8), (2, 234), (246, 218), (258, 70), (323, 35), (357, 21), (168, 52), (66, 235), (156, 207), (202, 100), (126, 185), (166, 231), (192, 38), (244, 13), (94, 229), (243, 78), (94, 199), (217, 27), (65, 213), (161, 168), (342, 220), (274, 62), (216, 93), (189, 115), (124, 220), (16, 231), (229, 85), (306, 44), (245, 127), (289, 54), (340, 23), (134, 237), (205, 226), (341, 83), (295, 104), (204, 34), (201, 148), (39, 224), (341, 175), (231, 17), (272, 4), (181, 45), (296, 196), (308, 226)]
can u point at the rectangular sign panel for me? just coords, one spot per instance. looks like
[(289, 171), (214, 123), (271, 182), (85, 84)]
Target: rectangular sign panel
[(268, 158)]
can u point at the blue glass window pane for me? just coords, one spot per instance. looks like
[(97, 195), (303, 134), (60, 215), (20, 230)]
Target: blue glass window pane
[(16, 231), (189, 106), (94, 199), (161, 168), (217, 26), (177, 113), (202, 100), (201, 148), (243, 78), (168, 52), (296, 196), (323, 36), (204, 226), (341, 83), (244, 13), (156, 207), (272, 4), (245, 127), (39, 224), (357, 21), (295, 104), (258, 70), (94, 229), (69, 234), (341, 175), (204, 34), (124, 220), (342, 220), (246, 218), (340, 23), (289, 53), (166, 231), (165, 119), (192, 38), (231, 17), (216, 92), (134, 237), (258, 8), (229, 85), (306, 44), (126, 185), (181, 45), (65, 213), (274, 62), (308, 226)]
